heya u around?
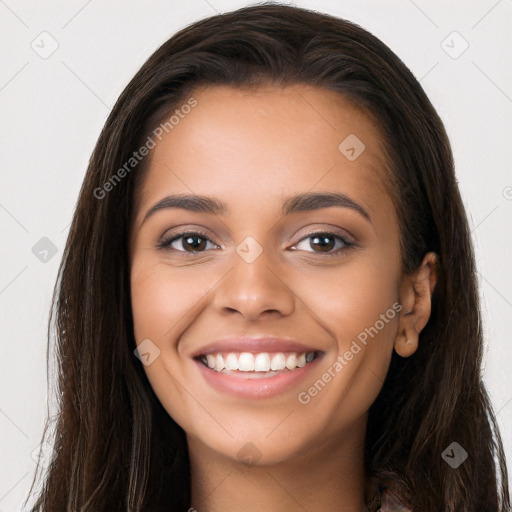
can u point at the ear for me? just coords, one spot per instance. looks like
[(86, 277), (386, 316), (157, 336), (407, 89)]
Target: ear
[(415, 296)]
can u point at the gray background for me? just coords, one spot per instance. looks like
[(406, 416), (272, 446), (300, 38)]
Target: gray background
[(64, 65)]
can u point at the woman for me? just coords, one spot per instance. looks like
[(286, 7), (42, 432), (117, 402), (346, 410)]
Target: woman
[(268, 296)]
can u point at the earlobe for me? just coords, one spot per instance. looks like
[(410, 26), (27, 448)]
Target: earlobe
[(415, 297), (406, 343)]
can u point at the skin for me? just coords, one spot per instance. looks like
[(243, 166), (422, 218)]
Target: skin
[(251, 149)]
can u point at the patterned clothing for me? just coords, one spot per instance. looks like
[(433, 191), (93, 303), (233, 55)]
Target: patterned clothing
[(390, 501)]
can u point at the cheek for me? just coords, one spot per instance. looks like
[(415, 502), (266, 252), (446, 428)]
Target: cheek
[(163, 301), (362, 315), (162, 298), (353, 298), (358, 306)]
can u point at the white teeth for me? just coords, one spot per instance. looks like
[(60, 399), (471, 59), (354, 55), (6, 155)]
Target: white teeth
[(246, 362), (231, 362), (291, 362), (278, 362), (261, 362)]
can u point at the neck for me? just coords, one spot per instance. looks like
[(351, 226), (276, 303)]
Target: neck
[(328, 478)]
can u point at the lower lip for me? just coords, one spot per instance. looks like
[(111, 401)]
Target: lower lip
[(264, 387)]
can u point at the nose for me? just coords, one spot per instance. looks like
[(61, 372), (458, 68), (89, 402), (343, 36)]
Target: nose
[(252, 290)]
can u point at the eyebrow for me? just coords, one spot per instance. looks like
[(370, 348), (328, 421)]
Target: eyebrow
[(308, 201)]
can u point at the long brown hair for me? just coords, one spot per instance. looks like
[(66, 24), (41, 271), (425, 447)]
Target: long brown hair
[(115, 447)]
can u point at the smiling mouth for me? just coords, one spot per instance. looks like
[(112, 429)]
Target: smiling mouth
[(263, 364)]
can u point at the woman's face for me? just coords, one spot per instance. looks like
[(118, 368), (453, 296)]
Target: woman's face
[(298, 259)]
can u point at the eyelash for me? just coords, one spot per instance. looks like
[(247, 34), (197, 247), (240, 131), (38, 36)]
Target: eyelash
[(166, 242)]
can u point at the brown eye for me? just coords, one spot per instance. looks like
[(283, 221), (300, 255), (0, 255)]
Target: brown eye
[(195, 243), (323, 242), (186, 242)]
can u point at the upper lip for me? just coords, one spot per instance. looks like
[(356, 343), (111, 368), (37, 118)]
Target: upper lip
[(254, 344)]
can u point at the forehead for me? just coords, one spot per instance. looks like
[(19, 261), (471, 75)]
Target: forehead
[(268, 142)]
